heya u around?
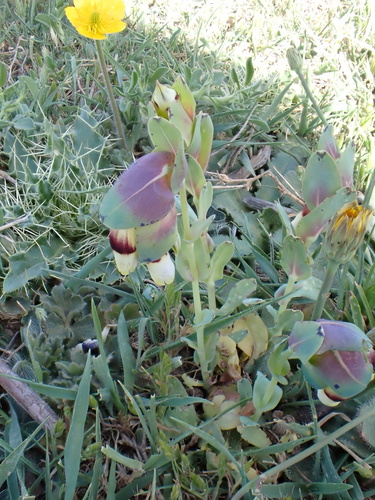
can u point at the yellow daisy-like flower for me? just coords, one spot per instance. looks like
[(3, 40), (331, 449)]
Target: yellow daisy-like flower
[(96, 18), (346, 232)]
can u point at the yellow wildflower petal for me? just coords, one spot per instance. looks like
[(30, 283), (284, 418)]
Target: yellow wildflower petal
[(95, 18)]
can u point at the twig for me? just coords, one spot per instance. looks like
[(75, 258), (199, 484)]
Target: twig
[(14, 222), (7, 177), (27, 398), (234, 138)]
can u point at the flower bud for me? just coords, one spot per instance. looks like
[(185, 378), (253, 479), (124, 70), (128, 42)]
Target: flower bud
[(162, 99), (346, 231), (294, 59)]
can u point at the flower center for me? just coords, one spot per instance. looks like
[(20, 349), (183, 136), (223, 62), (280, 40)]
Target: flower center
[(353, 212), (94, 20)]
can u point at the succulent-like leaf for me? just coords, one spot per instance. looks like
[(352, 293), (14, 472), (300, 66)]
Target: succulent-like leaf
[(346, 165), (309, 227), (321, 180), (207, 132), (294, 258), (260, 387), (196, 140), (238, 293), (179, 169), (185, 96), (342, 373), (154, 240), (182, 121), (327, 142), (141, 195), (164, 135), (195, 179), (222, 255), (305, 339)]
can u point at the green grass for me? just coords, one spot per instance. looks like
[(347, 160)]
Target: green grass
[(136, 420)]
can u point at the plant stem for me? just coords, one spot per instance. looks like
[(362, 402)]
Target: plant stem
[(309, 94), (288, 289), (115, 111), (201, 351), (324, 291)]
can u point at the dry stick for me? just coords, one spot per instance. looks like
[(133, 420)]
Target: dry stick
[(14, 222), (27, 398)]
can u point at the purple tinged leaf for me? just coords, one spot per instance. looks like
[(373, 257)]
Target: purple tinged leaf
[(310, 226), (340, 335), (327, 142), (321, 179), (346, 165), (155, 240), (141, 195)]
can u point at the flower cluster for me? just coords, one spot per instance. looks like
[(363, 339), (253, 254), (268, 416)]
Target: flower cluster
[(140, 208), (140, 211)]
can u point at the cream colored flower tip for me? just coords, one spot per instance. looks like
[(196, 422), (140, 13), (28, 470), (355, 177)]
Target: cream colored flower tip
[(162, 271), (126, 263), (97, 18)]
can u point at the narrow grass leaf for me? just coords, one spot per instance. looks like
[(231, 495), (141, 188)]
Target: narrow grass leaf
[(97, 469), (111, 486), (126, 353), (73, 447), (9, 463), (121, 459)]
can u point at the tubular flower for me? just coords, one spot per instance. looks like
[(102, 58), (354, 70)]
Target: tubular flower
[(140, 211), (346, 231), (336, 357), (96, 18)]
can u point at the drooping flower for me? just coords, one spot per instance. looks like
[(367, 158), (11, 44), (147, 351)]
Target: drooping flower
[(140, 211), (346, 232), (97, 18), (336, 357)]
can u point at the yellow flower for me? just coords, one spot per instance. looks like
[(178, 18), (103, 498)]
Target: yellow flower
[(96, 18), (346, 231)]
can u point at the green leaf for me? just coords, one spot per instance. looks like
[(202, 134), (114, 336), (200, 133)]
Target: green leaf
[(220, 258), (321, 179), (3, 74), (310, 226), (23, 267), (249, 71), (126, 353), (294, 258), (254, 435), (305, 339), (9, 463), (238, 293), (74, 441), (121, 459), (24, 124), (164, 135), (261, 399)]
